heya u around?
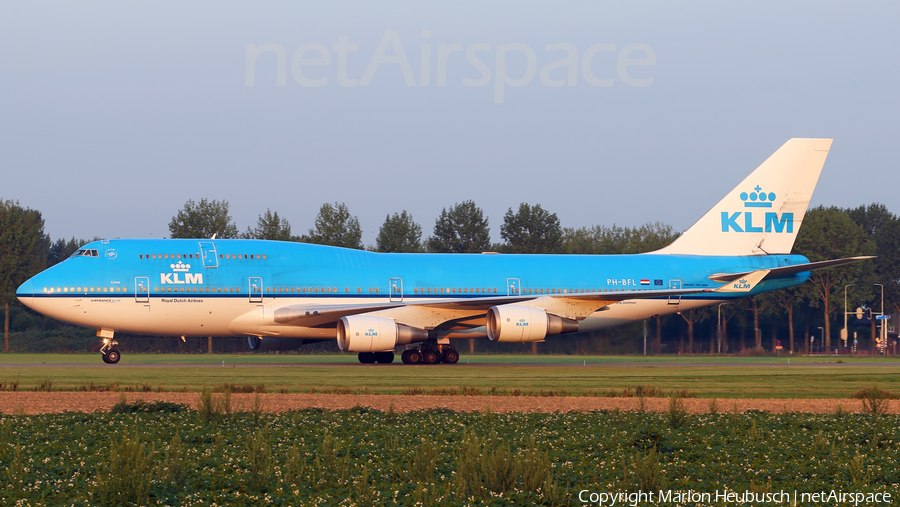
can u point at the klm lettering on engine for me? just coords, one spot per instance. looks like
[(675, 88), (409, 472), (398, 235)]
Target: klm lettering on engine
[(749, 221), (175, 278), (522, 323)]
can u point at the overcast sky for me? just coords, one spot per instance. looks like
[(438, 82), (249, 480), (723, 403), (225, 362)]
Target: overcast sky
[(112, 115)]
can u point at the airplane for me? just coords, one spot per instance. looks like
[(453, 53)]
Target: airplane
[(282, 295)]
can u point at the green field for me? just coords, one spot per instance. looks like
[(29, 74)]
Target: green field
[(704, 376), (363, 457)]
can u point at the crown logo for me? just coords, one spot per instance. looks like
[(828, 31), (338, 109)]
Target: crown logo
[(180, 266), (757, 198)]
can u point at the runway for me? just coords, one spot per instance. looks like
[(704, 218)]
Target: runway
[(461, 364)]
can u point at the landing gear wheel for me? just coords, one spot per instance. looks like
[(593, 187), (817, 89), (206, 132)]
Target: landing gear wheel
[(366, 357), (431, 357), (414, 356), (405, 356), (112, 356), (108, 352), (451, 356), (384, 357)]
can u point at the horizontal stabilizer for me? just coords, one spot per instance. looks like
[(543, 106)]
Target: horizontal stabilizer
[(744, 284), (791, 270)]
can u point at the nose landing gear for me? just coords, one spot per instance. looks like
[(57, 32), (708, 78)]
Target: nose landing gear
[(108, 352)]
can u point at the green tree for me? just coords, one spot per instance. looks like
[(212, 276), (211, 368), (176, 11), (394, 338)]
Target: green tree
[(782, 301), (270, 226), (692, 318), (830, 233), (336, 227), (600, 239), (203, 220), (399, 233), (461, 229), (883, 228), (531, 230), (22, 252)]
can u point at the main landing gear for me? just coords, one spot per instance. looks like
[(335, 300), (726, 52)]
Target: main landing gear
[(431, 353), (108, 352)]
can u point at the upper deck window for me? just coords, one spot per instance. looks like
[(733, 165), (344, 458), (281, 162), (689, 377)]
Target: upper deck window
[(85, 252)]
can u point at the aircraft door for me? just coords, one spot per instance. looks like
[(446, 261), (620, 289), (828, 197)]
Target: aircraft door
[(674, 285), (396, 287), (512, 287), (141, 289), (208, 253), (256, 289)]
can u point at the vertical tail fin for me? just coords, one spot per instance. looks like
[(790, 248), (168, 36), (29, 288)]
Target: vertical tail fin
[(763, 214)]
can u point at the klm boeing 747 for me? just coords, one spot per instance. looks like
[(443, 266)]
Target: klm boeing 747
[(281, 295)]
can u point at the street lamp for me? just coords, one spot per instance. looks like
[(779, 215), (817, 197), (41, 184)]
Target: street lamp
[(719, 329), (845, 334)]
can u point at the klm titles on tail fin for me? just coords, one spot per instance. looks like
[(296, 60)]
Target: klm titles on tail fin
[(771, 220), (758, 199)]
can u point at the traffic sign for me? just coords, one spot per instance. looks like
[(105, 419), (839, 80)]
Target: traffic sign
[(859, 313), (883, 317)]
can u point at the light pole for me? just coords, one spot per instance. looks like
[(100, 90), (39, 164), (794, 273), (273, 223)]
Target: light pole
[(822, 332), (845, 333), (882, 296), (883, 336), (719, 330)]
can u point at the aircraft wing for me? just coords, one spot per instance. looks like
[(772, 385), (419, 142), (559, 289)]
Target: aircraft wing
[(577, 305), (790, 270)]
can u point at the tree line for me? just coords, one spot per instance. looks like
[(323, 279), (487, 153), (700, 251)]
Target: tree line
[(462, 228), (797, 318)]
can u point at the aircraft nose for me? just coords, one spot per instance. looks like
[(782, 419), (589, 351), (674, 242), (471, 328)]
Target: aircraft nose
[(25, 293)]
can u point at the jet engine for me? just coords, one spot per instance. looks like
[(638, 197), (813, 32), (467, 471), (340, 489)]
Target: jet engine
[(271, 343), (368, 333), (517, 324)]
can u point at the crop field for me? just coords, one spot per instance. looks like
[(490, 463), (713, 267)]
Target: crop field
[(705, 377), (163, 454)]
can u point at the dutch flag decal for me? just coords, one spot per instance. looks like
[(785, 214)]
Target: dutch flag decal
[(645, 282)]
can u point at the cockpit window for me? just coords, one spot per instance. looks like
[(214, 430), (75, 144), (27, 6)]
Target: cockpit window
[(85, 252)]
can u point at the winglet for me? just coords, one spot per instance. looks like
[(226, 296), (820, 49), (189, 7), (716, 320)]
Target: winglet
[(745, 284)]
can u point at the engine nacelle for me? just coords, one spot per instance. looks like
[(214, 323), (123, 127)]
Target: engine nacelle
[(517, 324), (272, 343), (368, 333)]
